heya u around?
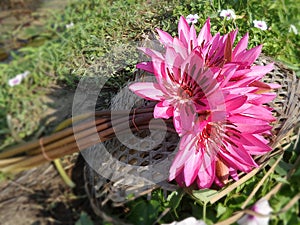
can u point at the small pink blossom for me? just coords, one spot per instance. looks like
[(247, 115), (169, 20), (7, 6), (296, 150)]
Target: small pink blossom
[(192, 18), (261, 207), (17, 79), (188, 221), (228, 14), (260, 24)]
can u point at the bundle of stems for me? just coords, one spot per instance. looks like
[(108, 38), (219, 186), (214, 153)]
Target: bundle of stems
[(64, 142)]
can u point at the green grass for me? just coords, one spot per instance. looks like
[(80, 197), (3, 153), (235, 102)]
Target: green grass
[(69, 55), (65, 55), (278, 42)]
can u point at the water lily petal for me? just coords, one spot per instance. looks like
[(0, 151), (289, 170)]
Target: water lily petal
[(147, 66), (183, 31), (204, 35), (239, 153), (206, 174), (187, 114), (152, 53), (260, 112), (191, 167), (254, 144), (234, 103), (162, 111), (192, 41), (234, 163), (260, 71), (248, 57), (241, 45), (187, 147), (147, 90), (165, 37)]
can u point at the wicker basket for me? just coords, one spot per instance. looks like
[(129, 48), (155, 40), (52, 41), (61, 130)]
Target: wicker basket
[(106, 195)]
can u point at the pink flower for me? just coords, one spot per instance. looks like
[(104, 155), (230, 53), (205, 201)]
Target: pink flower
[(192, 18), (17, 79), (181, 90), (215, 96), (215, 50), (260, 24), (262, 207), (228, 14), (226, 138)]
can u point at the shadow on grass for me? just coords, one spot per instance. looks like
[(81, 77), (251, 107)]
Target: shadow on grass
[(39, 195)]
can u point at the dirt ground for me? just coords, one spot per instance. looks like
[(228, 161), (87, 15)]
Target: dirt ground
[(39, 196)]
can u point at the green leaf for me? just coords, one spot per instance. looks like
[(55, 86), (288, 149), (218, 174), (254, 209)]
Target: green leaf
[(221, 209), (281, 179), (144, 212), (297, 172), (175, 198), (282, 168), (204, 195), (84, 220), (226, 214)]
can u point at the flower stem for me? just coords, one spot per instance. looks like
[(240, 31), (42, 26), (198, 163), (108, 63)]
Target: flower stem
[(63, 174)]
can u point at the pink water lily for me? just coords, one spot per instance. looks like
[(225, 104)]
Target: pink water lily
[(216, 51), (216, 98), (181, 91), (230, 137)]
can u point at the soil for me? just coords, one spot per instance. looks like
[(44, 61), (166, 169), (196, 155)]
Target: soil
[(39, 196), (59, 101)]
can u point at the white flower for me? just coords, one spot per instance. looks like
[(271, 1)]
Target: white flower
[(293, 29), (262, 207), (17, 79), (25, 74), (188, 221), (260, 24), (192, 18), (228, 14), (69, 25)]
